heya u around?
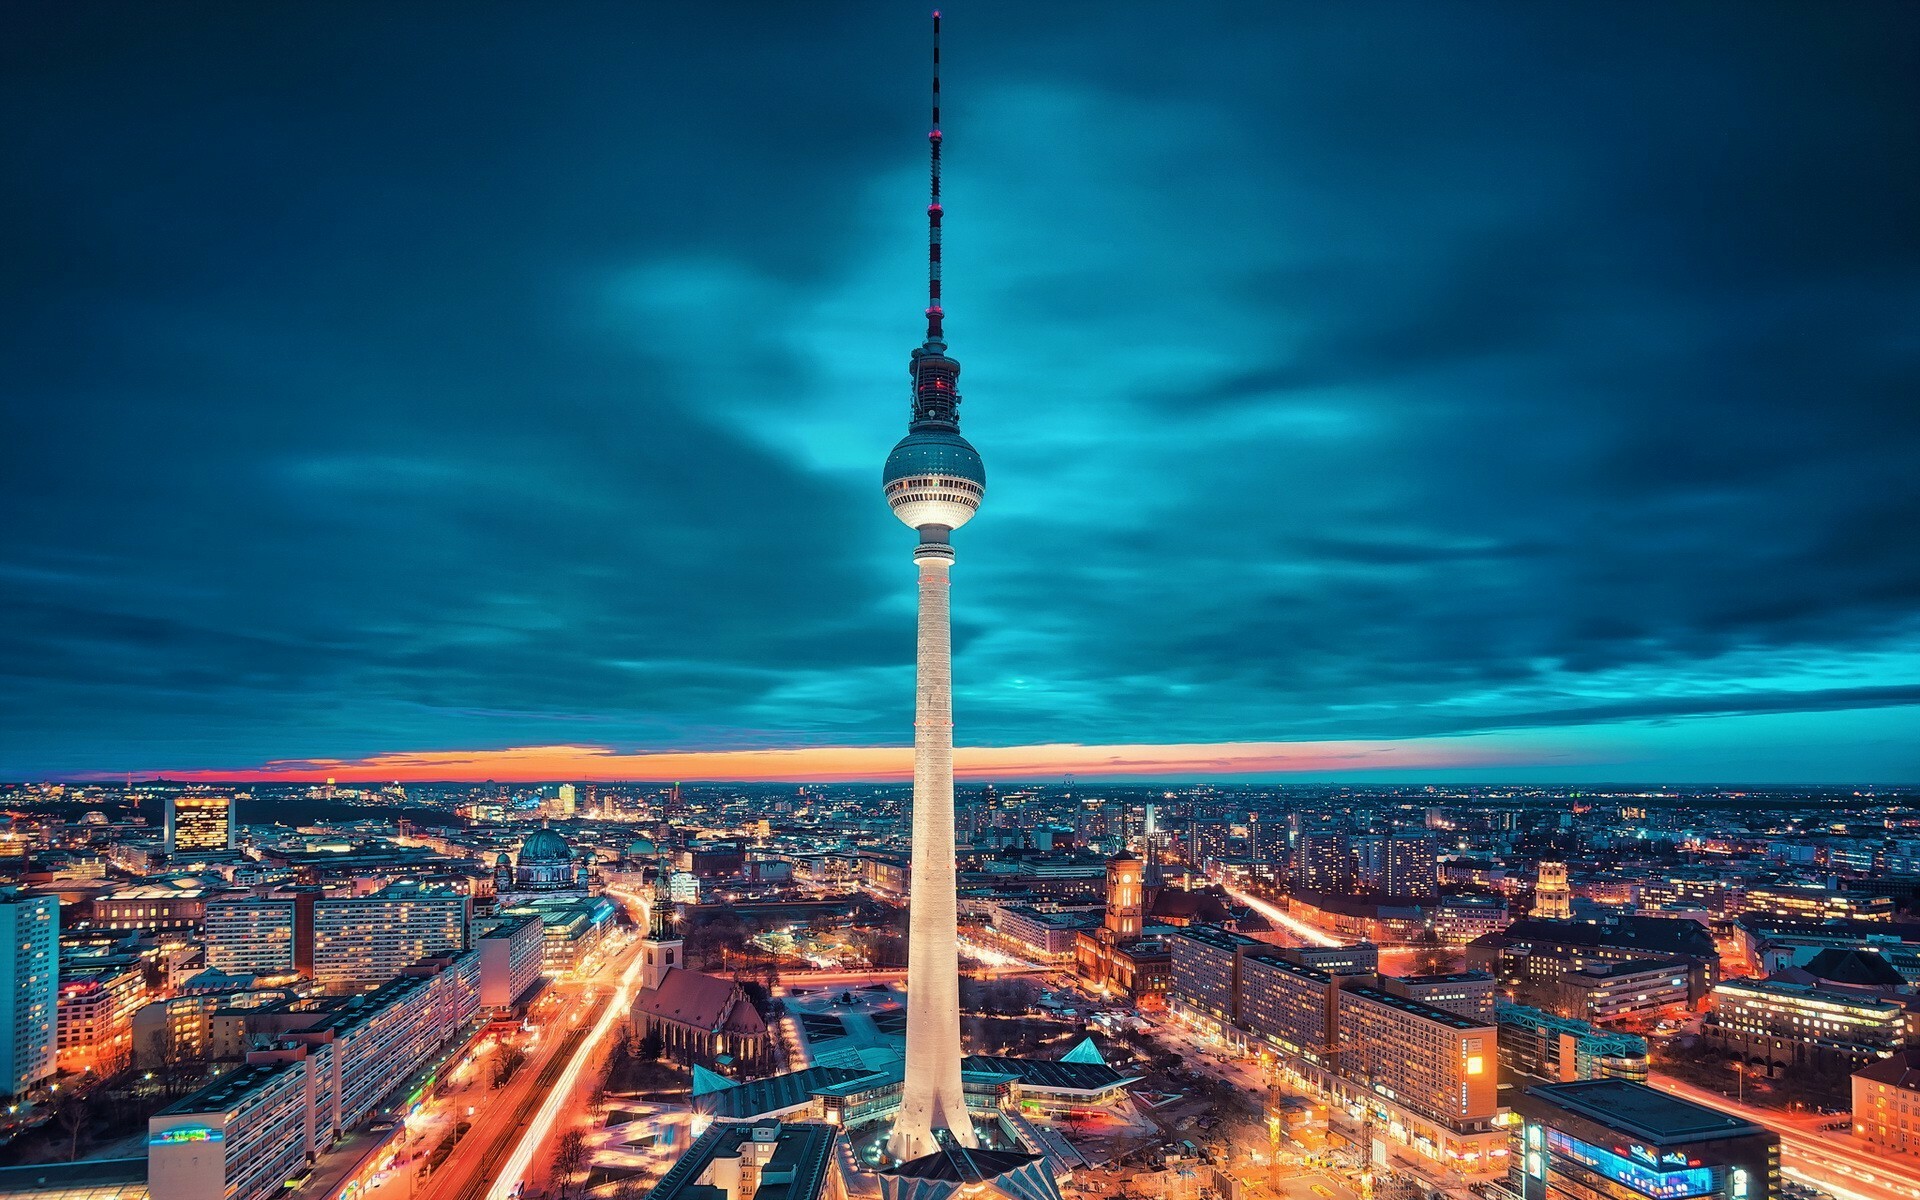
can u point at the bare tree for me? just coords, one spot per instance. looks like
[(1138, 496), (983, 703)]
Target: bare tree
[(570, 1158)]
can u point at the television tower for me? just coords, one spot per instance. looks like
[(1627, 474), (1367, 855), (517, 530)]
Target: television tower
[(933, 482)]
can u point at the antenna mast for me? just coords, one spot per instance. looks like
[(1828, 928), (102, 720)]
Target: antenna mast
[(935, 334)]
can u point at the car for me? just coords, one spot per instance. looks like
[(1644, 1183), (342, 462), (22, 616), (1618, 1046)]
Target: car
[(1323, 1191)]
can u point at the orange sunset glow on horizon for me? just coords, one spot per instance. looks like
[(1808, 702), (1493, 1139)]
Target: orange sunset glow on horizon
[(825, 764)]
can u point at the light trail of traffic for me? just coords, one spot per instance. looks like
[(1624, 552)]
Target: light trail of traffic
[(1296, 927), (1805, 1155), (515, 1168)]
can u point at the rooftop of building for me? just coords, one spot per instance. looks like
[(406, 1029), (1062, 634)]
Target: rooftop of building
[(1902, 1070), (1659, 935), (1638, 1110), (1219, 939), (1051, 1074), (802, 1153), (1446, 978), (1629, 967), (1851, 965), (1414, 1008), (88, 1179), (1055, 920), (1816, 991), (228, 1090)]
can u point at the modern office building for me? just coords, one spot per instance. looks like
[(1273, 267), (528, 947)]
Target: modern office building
[(1047, 936), (1460, 918), (1816, 902), (1786, 1023), (1559, 1049), (1605, 993), (153, 906), (1610, 1137), (360, 942), (197, 822), (1463, 993), (1537, 951), (29, 989)]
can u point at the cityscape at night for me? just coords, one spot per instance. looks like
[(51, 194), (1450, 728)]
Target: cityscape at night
[(520, 684)]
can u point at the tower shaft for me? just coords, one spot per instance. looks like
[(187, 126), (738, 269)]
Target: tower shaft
[(931, 1097)]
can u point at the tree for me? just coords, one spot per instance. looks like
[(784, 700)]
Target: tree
[(570, 1158), (75, 1113), (652, 1046)]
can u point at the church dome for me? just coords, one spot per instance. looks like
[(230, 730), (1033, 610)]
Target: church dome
[(544, 845)]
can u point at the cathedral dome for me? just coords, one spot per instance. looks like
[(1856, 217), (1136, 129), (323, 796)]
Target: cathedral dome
[(544, 845)]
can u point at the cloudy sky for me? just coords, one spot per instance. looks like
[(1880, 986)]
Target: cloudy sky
[(1467, 391)]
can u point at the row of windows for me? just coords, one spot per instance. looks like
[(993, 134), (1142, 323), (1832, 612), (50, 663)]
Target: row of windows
[(937, 481)]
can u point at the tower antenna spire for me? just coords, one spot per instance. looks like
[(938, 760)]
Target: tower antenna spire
[(935, 315)]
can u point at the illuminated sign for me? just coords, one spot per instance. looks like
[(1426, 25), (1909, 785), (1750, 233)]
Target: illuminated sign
[(186, 1133), (1648, 1180)]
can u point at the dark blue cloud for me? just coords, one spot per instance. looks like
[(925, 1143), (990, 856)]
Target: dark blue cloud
[(380, 379)]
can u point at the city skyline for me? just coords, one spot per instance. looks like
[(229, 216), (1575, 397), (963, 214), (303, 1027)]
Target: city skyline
[(1502, 396)]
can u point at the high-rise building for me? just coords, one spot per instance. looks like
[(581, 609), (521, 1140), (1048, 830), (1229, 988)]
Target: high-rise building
[(29, 989), (1324, 862), (933, 481), (196, 822), (1409, 869)]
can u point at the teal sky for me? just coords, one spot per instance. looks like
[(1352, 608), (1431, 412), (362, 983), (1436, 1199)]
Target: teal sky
[(382, 381)]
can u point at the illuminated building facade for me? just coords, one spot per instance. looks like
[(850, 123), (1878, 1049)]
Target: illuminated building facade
[(1464, 993), (1886, 1103), (363, 941), (1560, 1049), (95, 1018), (195, 822), (1613, 1138), (251, 935), (1552, 894), (1782, 1023), (29, 989)]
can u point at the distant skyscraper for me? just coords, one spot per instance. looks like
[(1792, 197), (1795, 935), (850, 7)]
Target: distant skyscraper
[(933, 481), (29, 988), (200, 823)]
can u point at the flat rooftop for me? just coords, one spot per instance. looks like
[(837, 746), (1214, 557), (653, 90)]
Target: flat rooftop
[(1646, 1113)]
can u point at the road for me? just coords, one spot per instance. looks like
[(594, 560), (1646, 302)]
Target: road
[(1279, 917), (1813, 1157)]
